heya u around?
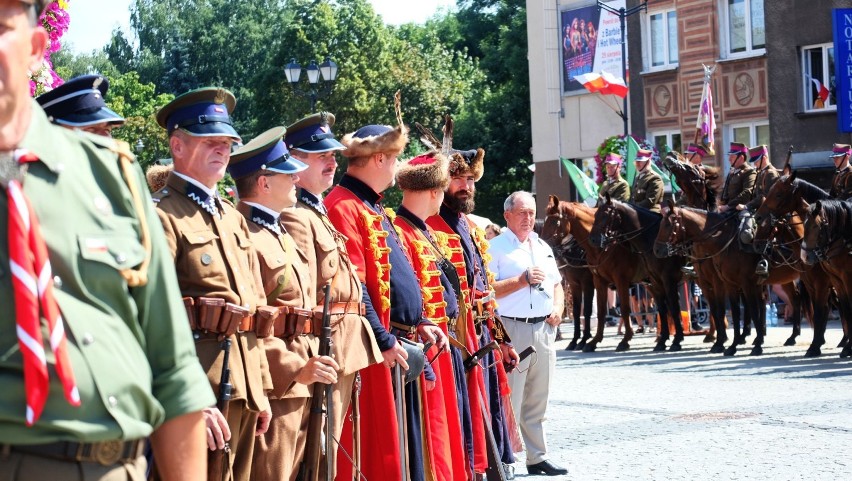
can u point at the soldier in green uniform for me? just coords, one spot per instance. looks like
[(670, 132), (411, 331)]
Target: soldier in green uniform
[(78, 104), (767, 174), (841, 185), (739, 184), (217, 270), (647, 190), (127, 367), (614, 185)]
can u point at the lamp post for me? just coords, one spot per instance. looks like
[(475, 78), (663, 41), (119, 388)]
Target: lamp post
[(622, 17), (317, 90), (140, 146)]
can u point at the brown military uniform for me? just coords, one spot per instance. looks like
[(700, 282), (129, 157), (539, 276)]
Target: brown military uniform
[(739, 186), (283, 268), (617, 190), (841, 185), (354, 346), (647, 190), (215, 258), (762, 183)]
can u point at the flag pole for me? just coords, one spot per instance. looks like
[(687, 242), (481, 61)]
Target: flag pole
[(622, 17)]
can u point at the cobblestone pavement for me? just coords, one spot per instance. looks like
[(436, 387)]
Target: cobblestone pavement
[(691, 415)]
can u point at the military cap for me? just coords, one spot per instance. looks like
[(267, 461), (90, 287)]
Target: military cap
[(612, 158), (313, 134), (738, 148), (424, 172), (265, 152), (464, 162), (643, 155), (696, 149), (79, 102), (755, 153), (839, 150), (202, 113)]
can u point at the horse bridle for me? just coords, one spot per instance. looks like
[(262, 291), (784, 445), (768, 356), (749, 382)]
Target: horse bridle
[(565, 242), (685, 247), (607, 236), (824, 241)]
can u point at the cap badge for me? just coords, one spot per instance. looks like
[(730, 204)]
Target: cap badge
[(220, 96)]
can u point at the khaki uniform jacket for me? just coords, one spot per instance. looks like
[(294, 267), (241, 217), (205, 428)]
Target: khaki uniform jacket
[(739, 186), (647, 190), (841, 185), (216, 258), (280, 260), (762, 183), (130, 347), (617, 190), (324, 248)]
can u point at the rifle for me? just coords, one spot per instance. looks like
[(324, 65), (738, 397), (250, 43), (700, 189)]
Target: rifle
[(218, 461), (321, 403)]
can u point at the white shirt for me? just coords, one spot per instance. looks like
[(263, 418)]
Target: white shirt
[(509, 258), (211, 192)]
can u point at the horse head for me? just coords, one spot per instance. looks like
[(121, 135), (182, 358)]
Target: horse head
[(693, 180), (670, 237), (555, 228), (607, 223), (782, 198)]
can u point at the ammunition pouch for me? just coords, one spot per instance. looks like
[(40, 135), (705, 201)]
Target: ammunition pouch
[(214, 315)]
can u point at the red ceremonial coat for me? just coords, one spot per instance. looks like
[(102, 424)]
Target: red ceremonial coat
[(367, 246), (441, 420), (476, 385)]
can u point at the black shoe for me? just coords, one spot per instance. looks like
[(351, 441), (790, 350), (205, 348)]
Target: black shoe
[(547, 468), (696, 326)]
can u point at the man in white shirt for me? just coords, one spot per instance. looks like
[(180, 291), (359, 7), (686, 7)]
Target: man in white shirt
[(531, 303)]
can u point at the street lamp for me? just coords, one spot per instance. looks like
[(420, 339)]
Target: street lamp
[(140, 146), (327, 70)]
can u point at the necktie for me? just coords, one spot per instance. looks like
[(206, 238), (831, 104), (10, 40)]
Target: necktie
[(32, 283)]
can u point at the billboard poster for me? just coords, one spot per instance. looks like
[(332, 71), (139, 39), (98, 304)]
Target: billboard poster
[(843, 67), (590, 42)]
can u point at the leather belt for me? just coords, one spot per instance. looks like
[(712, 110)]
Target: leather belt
[(527, 320), (296, 321), (340, 308), (105, 453), (214, 315)]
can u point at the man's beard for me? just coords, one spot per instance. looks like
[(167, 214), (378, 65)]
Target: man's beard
[(465, 206)]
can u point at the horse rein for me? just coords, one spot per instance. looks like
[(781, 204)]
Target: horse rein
[(685, 248)]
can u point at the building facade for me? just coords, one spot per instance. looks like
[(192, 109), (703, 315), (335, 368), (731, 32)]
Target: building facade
[(770, 67)]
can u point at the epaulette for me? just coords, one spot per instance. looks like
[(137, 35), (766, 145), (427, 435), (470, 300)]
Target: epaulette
[(161, 194), (226, 200)]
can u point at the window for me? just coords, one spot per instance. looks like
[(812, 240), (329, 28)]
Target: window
[(661, 41), (743, 29), (753, 134), (818, 82), (666, 141)]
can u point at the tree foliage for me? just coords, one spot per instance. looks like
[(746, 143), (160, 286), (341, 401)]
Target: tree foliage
[(471, 64)]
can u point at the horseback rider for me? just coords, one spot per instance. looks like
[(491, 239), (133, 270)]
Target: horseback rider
[(767, 174), (647, 191), (841, 185), (739, 184), (614, 185)]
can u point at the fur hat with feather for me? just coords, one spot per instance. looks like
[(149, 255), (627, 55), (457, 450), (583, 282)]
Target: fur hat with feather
[(374, 139)]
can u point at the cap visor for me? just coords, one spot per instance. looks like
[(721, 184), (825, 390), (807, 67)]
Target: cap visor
[(324, 145), (212, 129), (290, 166), (84, 120)]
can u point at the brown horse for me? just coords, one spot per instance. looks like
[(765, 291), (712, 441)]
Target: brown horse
[(698, 191), (621, 224), (577, 279), (779, 235), (715, 237), (828, 240), (567, 220)]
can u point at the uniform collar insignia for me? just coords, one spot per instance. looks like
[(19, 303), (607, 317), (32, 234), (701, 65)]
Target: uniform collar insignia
[(265, 219), (312, 200), (203, 199)]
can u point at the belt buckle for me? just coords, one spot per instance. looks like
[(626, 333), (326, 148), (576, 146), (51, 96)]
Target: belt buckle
[(107, 453)]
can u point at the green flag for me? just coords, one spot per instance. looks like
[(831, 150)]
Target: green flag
[(586, 187), (632, 150)]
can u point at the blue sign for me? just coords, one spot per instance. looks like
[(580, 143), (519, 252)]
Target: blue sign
[(843, 67)]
